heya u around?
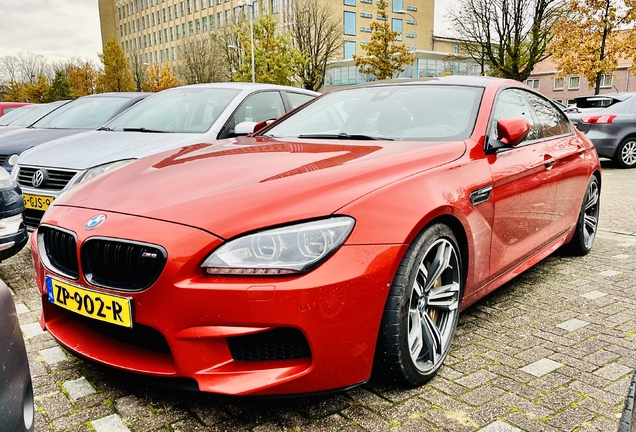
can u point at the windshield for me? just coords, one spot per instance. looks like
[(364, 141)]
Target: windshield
[(6, 119), (36, 114), (185, 110), (407, 112), (83, 113)]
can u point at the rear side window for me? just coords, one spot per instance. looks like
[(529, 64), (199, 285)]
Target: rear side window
[(297, 99), (7, 110)]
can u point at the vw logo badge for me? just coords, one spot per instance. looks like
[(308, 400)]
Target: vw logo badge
[(38, 178), (94, 222)]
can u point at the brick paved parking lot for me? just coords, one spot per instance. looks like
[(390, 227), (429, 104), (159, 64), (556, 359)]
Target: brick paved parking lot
[(553, 350)]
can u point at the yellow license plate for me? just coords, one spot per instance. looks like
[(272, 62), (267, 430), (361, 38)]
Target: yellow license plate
[(37, 202), (100, 306)]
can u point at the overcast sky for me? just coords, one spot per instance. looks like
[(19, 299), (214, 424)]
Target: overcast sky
[(61, 29)]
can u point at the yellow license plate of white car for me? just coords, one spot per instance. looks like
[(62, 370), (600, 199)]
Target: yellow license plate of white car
[(93, 304), (37, 202)]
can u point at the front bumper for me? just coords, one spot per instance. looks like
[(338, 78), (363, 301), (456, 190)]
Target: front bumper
[(337, 307)]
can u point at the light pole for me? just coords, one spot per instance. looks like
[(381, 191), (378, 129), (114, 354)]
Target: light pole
[(403, 12), (242, 3)]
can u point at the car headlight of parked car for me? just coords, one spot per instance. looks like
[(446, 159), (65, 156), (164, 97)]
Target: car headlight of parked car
[(102, 169), (13, 159), (291, 249)]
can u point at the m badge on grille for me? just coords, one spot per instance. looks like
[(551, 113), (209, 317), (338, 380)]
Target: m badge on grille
[(39, 177), (94, 222)]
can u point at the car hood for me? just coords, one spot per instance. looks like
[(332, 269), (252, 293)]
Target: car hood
[(95, 148), (19, 140), (235, 186)]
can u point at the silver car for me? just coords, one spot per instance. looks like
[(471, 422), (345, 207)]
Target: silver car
[(16, 390), (609, 121), (169, 119)]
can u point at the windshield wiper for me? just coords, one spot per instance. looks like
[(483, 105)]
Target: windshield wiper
[(143, 129), (104, 128), (345, 136)]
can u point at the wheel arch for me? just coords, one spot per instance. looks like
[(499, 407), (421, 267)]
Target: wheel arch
[(630, 136)]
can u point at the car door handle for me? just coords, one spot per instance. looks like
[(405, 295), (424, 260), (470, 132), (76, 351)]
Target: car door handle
[(580, 150), (549, 162)]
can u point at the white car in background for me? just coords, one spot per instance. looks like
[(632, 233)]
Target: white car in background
[(169, 119)]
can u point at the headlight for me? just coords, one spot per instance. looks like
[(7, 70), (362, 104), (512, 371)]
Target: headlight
[(5, 179), (14, 173), (102, 169), (13, 159), (292, 249)]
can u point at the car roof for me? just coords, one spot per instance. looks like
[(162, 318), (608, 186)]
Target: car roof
[(247, 86), (119, 94), (462, 80)]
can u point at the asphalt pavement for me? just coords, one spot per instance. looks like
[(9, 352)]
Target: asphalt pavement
[(553, 350)]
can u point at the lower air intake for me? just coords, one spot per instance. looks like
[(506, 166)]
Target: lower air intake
[(277, 344)]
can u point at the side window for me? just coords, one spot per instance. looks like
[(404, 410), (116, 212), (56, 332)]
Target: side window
[(297, 99), (257, 107), (550, 121), (260, 106), (511, 104)]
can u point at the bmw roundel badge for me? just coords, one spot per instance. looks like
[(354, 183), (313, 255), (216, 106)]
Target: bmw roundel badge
[(94, 222)]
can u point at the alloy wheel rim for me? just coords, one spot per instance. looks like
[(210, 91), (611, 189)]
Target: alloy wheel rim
[(590, 214), (433, 306), (628, 153)]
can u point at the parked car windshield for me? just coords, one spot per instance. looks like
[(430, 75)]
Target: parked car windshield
[(185, 110), (34, 115), (83, 113), (408, 112), (6, 119)]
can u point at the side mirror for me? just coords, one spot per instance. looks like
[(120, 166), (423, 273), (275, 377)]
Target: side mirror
[(511, 131), (244, 128), (260, 125)]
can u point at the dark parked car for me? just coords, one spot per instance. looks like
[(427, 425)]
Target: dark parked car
[(29, 118), (86, 113), (16, 391), (609, 121), (13, 234)]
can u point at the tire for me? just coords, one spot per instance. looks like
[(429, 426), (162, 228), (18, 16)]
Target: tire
[(587, 223), (625, 156), (422, 309)]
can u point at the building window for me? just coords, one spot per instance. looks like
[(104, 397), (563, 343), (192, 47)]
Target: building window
[(191, 28), (203, 5), (559, 84), (396, 25), (171, 33), (350, 23), (211, 22), (237, 14), (228, 17), (196, 5), (177, 31), (204, 21), (182, 8), (606, 81), (160, 39), (164, 15), (534, 83), (197, 24), (366, 1), (274, 6), (397, 6), (174, 54), (365, 29), (455, 49), (189, 6), (411, 8), (349, 49), (176, 11), (350, 2), (575, 82), (219, 18), (366, 15)]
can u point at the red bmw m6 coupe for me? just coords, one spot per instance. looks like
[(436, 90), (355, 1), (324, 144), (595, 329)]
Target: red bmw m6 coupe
[(343, 238)]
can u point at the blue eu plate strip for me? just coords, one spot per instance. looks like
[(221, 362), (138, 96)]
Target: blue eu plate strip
[(49, 288)]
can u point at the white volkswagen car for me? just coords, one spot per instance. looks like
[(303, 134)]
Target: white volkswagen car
[(169, 119)]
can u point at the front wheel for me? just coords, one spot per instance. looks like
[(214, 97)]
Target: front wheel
[(626, 154), (422, 309)]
